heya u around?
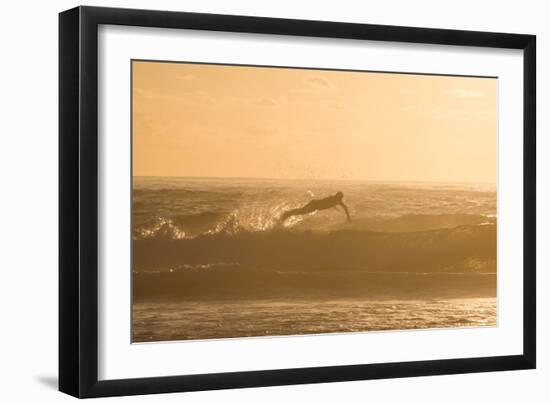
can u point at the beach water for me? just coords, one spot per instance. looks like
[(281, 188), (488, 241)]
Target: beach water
[(211, 258)]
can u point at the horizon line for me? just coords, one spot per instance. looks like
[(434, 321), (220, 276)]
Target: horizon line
[(319, 179)]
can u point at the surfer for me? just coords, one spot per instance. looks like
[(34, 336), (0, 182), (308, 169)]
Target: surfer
[(318, 204)]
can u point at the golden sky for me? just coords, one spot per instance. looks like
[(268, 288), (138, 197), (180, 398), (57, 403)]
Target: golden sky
[(195, 120)]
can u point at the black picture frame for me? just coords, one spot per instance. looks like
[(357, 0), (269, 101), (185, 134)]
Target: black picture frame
[(78, 201)]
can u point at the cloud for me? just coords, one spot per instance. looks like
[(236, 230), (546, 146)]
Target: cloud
[(464, 93), (315, 85), (267, 102), (319, 82)]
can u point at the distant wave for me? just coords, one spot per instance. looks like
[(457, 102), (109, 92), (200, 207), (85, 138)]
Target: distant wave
[(415, 223), (180, 193)]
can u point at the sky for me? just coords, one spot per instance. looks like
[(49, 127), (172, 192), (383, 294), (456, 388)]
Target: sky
[(196, 120)]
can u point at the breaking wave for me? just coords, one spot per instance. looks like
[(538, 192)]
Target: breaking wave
[(350, 249)]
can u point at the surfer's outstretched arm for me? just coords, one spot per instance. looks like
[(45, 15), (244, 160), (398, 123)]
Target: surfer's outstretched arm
[(346, 210)]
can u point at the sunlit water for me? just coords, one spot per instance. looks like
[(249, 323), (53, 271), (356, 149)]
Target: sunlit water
[(222, 319)]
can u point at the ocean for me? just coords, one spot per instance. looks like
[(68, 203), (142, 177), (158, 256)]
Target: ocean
[(212, 259)]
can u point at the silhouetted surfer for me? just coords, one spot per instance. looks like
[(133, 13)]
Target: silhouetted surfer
[(318, 204)]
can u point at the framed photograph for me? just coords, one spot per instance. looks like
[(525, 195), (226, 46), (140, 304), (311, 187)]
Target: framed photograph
[(249, 201)]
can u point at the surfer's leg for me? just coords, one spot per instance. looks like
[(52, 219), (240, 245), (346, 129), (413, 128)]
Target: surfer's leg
[(289, 213), (294, 212)]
